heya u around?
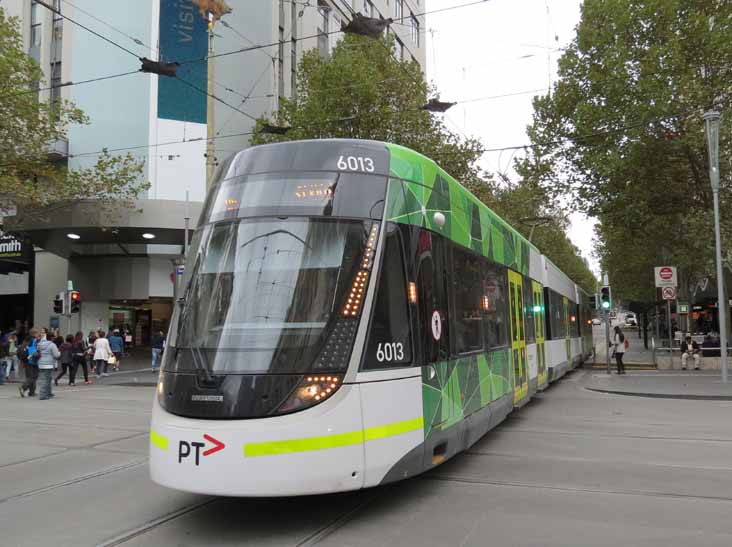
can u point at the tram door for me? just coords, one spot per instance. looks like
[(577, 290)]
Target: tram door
[(518, 337)]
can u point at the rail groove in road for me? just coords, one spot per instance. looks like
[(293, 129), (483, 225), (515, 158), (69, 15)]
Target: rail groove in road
[(646, 493), (140, 530), (76, 480)]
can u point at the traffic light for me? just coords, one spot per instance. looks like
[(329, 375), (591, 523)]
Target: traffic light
[(606, 298), (75, 300), (58, 304)]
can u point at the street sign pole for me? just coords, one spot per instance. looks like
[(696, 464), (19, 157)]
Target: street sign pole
[(607, 339), (670, 334)]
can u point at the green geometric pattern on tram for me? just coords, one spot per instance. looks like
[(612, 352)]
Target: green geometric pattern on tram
[(419, 188), (463, 386)]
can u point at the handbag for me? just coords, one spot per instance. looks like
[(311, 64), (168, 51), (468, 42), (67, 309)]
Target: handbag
[(112, 360)]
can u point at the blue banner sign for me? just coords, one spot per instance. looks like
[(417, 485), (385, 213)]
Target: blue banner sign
[(183, 37)]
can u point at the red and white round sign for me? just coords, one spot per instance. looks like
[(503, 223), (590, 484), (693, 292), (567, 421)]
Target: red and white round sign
[(436, 324), (666, 273)]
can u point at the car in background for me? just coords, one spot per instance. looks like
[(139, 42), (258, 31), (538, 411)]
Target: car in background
[(631, 320), (596, 321)]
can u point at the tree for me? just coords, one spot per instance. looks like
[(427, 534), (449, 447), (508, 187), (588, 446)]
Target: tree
[(29, 180), (361, 91), (621, 133)]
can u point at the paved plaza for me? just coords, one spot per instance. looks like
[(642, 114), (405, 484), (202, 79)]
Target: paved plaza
[(573, 468)]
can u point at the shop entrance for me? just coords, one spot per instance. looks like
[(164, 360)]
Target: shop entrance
[(140, 319)]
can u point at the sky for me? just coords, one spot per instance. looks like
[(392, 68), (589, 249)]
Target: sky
[(501, 47)]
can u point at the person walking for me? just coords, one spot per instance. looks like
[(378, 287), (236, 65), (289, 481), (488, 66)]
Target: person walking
[(29, 362), (5, 362), (67, 358), (117, 344), (79, 349), (618, 345), (158, 341), (102, 353), (14, 362), (49, 355)]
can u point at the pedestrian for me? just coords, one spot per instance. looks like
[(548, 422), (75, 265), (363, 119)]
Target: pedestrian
[(618, 345), (67, 358), (14, 363), (80, 350), (102, 353), (689, 347), (158, 341), (117, 344), (49, 356), (5, 362), (28, 356)]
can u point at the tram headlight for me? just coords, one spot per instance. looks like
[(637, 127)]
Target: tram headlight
[(312, 389)]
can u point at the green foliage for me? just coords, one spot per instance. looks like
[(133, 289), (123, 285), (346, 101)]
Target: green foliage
[(622, 135), (28, 179), (362, 92)]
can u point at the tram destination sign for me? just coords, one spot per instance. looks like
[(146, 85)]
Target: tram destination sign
[(665, 276)]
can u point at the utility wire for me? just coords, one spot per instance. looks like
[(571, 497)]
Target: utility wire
[(214, 97), (69, 84), (312, 36), (95, 33), (92, 16)]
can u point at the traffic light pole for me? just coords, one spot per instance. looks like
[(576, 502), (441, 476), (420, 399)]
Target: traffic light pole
[(607, 339)]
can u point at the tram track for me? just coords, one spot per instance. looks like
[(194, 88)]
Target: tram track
[(575, 490)]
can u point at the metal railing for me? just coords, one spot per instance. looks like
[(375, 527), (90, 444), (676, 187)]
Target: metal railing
[(671, 351)]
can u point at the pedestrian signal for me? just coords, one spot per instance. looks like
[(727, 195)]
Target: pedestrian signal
[(75, 299), (58, 304), (606, 298)]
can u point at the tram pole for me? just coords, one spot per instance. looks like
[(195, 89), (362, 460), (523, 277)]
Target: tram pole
[(210, 120)]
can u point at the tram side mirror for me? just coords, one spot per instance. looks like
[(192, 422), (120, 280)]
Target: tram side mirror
[(439, 219)]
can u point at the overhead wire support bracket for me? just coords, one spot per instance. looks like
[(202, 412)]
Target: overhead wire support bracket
[(160, 68), (371, 27)]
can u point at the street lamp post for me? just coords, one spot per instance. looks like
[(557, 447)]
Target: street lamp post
[(711, 121)]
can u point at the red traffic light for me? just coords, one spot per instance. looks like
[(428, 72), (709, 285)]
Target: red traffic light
[(75, 295)]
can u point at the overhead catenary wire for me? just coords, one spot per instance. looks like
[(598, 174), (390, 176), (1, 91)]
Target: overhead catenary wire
[(70, 84), (313, 36)]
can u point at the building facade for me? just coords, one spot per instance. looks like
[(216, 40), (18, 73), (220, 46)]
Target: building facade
[(125, 265)]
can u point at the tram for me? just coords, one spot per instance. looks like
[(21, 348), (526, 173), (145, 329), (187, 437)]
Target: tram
[(351, 316)]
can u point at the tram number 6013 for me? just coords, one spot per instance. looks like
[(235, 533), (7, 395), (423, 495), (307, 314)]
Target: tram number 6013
[(356, 163), (390, 351)]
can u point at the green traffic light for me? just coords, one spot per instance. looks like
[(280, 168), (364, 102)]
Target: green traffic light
[(537, 309), (605, 305)]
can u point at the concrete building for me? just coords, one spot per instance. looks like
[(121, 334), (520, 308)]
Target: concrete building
[(124, 265)]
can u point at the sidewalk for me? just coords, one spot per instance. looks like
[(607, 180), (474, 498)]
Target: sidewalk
[(636, 354), (663, 384)]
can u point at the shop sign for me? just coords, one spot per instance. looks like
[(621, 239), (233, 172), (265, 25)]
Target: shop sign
[(10, 247)]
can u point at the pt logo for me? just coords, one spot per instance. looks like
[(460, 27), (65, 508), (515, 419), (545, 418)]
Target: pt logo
[(184, 448)]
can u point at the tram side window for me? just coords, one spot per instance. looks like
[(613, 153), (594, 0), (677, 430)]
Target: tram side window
[(390, 343), (529, 311), (467, 288), (556, 316), (577, 320), (495, 320)]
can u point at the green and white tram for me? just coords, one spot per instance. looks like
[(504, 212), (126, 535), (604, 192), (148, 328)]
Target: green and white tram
[(351, 316)]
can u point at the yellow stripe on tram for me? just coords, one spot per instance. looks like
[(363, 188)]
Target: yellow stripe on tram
[(307, 444), (159, 440)]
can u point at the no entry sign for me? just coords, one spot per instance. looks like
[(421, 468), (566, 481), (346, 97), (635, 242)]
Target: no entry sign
[(665, 276)]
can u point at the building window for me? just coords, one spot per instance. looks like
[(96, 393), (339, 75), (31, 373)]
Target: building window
[(323, 31), (414, 27), (399, 9), (293, 68), (35, 36), (281, 63), (55, 88)]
